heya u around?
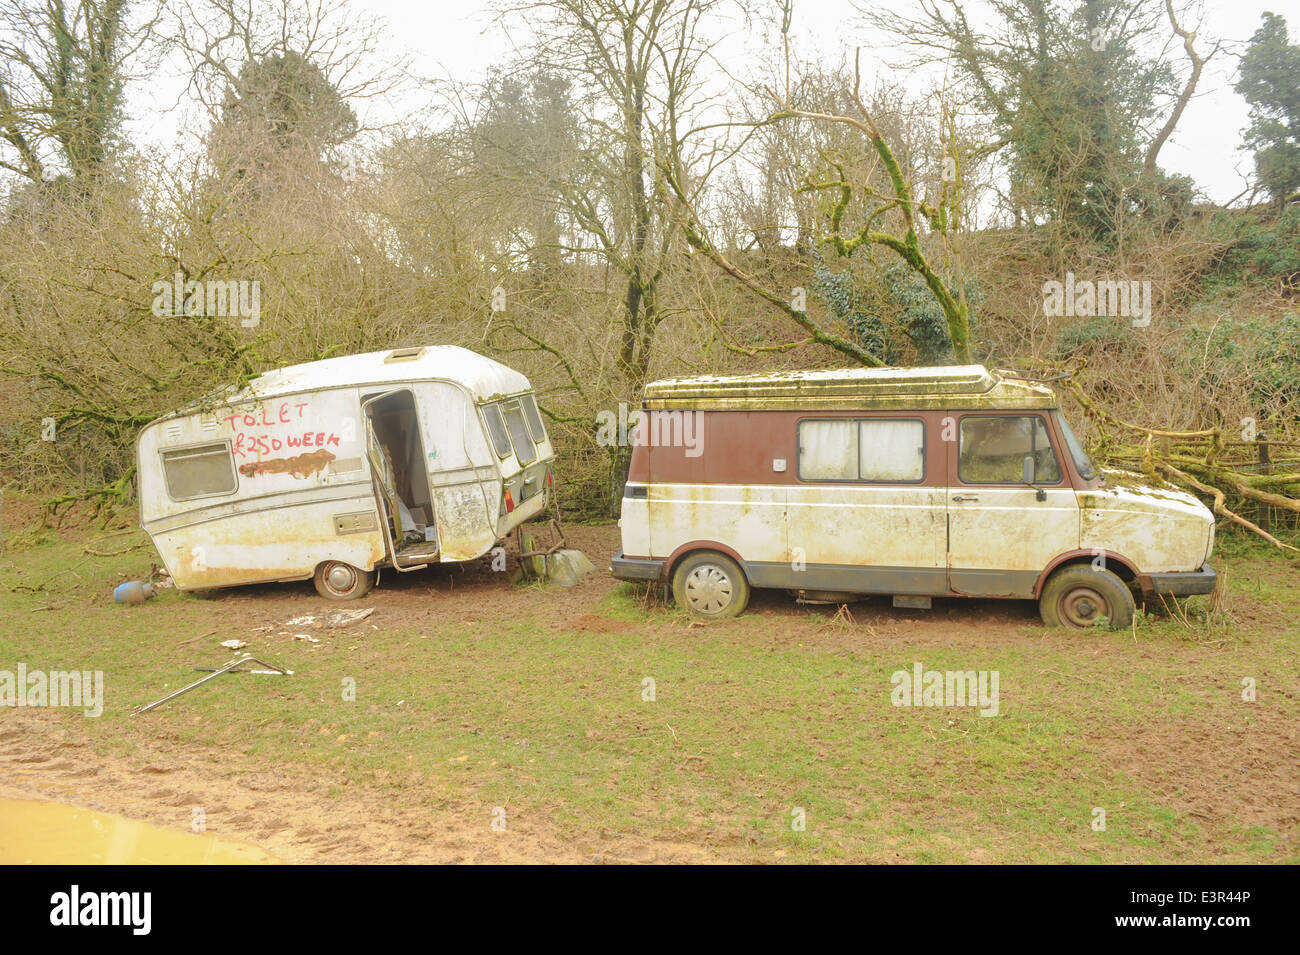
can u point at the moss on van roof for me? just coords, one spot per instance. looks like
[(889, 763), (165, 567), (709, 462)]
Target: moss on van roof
[(965, 386)]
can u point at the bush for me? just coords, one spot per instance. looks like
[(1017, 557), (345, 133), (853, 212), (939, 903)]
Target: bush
[(890, 312)]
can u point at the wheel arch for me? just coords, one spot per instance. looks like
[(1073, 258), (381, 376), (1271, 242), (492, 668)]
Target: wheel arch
[(695, 547), (1118, 564)]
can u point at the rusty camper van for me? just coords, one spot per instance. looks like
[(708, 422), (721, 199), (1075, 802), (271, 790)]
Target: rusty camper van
[(916, 483), (331, 469)]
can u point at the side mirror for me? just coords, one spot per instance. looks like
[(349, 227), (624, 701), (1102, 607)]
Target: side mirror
[(1027, 477)]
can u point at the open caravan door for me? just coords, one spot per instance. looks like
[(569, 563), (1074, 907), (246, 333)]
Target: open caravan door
[(396, 453), (464, 472)]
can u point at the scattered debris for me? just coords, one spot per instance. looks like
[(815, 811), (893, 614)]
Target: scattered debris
[(335, 620), (234, 644), (133, 592), (557, 563), (307, 637), (199, 637), (567, 567), (234, 666)]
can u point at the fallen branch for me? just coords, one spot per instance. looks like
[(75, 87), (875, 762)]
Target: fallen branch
[(1221, 509)]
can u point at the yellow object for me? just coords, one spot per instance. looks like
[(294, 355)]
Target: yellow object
[(48, 833)]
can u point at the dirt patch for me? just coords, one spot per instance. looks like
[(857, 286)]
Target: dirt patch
[(591, 623), (291, 815), (1224, 772)]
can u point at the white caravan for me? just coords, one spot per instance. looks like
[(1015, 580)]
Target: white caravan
[(331, 469)]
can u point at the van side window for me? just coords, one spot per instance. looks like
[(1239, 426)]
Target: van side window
[(882, 450), (203, 471), (892, 451), (993, 449), (497, 429), (828, 450)]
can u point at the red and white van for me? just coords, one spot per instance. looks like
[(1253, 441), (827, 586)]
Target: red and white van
[(917, 482)]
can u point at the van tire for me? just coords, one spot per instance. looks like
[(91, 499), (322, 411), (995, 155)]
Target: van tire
[(710, 585), (1078, 594), (336, 580)]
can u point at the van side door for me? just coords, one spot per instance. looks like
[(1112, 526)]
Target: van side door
[(1002, 532), (867, 508)]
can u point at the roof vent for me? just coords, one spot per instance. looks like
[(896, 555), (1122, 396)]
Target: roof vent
[(403, 354)]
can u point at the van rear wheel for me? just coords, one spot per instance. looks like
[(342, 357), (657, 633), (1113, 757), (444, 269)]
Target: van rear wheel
[(336, 580), (1080, 596), (710, 585)]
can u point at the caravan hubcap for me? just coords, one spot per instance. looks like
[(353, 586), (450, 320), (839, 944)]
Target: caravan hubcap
[(341, 578), (708, 589)]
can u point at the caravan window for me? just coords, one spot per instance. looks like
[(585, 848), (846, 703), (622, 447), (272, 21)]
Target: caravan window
[(497, 428), (534, 419), (203, 471), (519, 432)]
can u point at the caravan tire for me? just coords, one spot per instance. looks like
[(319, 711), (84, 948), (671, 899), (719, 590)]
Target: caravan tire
[(710, 585), (336, 580)]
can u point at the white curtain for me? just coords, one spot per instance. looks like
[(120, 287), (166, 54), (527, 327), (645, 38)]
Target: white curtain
[(828, 450), (892, 450)]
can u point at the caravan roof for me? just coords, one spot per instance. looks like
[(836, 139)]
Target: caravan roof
[(484, 378), (849, 388)]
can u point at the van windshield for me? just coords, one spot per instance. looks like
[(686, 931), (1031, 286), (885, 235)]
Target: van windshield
[(1082, 463)]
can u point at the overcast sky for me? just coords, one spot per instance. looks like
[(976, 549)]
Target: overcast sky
[(460, 41)]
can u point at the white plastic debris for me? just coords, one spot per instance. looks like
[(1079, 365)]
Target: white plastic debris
[(339, 618)]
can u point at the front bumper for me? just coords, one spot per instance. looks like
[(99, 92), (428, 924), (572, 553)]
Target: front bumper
[(1186, 584), (635, 568)]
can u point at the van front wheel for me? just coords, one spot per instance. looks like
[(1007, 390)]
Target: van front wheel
[(336, 580), (1080, 597), (710, 585)]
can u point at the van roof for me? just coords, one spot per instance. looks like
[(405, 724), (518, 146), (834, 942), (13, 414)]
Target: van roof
[(964, 386), (484, 378)]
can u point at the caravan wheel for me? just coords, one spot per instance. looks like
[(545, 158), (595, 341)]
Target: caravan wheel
[(339, 581)]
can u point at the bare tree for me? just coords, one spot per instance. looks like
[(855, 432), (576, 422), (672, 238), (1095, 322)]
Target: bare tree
[(636, 69), (64, 68)]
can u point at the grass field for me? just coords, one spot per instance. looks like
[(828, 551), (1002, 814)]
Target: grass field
[(478, 701)]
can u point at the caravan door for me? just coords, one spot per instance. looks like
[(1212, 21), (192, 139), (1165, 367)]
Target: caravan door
[(395, 450), (463, 471)]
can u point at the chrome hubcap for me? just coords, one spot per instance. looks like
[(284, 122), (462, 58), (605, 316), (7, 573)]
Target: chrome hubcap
[(708, 589), (341, 577)]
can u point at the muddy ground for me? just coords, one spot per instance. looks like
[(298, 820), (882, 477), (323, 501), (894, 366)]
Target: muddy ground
[(1198, 765)]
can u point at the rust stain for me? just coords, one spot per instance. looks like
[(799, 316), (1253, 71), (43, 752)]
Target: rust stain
[(212, 577), (300, 465)]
